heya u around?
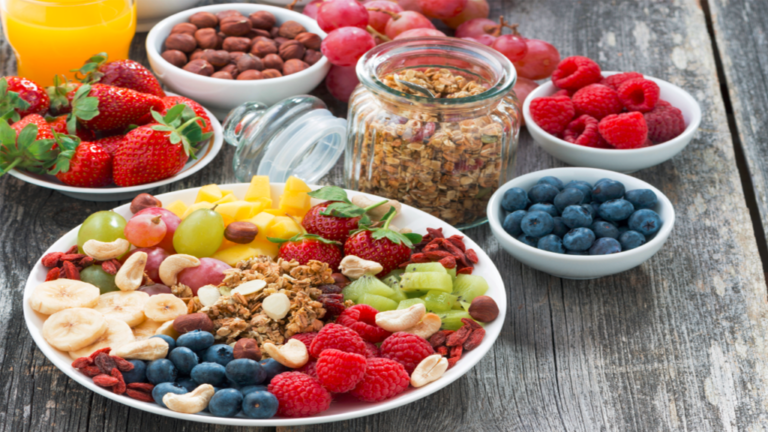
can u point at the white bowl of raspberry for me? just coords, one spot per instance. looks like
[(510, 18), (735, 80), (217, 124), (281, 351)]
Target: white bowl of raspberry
[(605, 156)]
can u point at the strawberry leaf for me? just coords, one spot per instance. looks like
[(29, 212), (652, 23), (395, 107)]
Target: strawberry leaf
[(10, 102), (342, 209), (25, 152), (330, 193), (393, 236), (300, 237), (84, 107), (414, 238), (184, 134), (58, 93), (90, 69)]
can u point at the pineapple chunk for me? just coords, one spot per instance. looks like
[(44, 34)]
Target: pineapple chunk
[(295, 203), (259, 188), (238, 210), (226, 244), (226, 199), (295, 184), (208, 193), (283, 227), (235, 254), (262, 221), (177, 207), (225, 192), (275, 212), (265, 247), (266, 202), (197, 206)]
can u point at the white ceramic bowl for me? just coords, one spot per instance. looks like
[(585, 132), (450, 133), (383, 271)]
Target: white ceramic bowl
[(626, 161), (343, 407), (219, 95), (575, 266), (150, 12)]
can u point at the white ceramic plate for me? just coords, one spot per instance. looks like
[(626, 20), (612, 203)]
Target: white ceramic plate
[(349, 408), (205, 155)]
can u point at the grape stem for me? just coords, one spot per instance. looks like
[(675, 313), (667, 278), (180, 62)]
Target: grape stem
[(292, 5), (394, 15), (495, 30), (373, 31)]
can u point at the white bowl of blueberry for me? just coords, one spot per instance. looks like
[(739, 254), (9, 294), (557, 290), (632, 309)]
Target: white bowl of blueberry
[(580, 223)]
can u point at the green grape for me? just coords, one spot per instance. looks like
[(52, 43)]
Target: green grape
[(106, 226), (200, 234), (96, 276)]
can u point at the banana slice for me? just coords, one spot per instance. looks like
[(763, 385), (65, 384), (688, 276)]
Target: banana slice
[(118, 334), (74, 328), (167, 329), (164, 307), (126, 306), (53, 296), (146, 329)]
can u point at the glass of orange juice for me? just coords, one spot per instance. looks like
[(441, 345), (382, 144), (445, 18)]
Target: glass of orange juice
[(52, 37)]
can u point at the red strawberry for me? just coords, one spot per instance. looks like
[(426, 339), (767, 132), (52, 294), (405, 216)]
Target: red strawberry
[(43, 128), (102, 107), (90, 166), (120, 73), (110, 144), (59, 125), (61, 95), (20, 97), (172, 101), (337, 217), (308, 247), (25, 151), (386, 247)]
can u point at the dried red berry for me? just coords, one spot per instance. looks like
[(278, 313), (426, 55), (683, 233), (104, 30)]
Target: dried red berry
[(135, 394), (452, 361), (71, 250), (111, 266), (51, 259), (90, 371), (443, 351), (437, 254), (99, 351), (69, 271), (82, 362), (465, 270), (456, 351), (53, 274), (448, 262), (71, 257), (122, 364), (85, 262), (457, 241), (118, 388), (437, 339), (472, 324), (459, 337), (105, 363), (147, 387), (475, 339), (104, 380)]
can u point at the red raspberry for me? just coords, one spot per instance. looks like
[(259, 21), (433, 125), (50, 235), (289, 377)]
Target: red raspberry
[(639, 94), (562, 92), (624, 131), (552, 113), (383, 379), (614, 81), (310, 368), (583, 131), (338, 337), (576, 72), (362, 319), (339, 372), (407, 349), (372, 350), (299, 395), (664, 122), (305, 338), (596, 101)]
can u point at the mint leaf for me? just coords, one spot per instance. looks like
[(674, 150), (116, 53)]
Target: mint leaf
[(330, 193), (414, 238), (393, 236), (342, 209)]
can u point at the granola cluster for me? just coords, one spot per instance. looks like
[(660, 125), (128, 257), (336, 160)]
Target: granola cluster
[(441, 82)]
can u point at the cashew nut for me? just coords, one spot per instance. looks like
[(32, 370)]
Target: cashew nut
[(276, 306), (102, 251), (403, 319), (192, 402), (131, 274), (250, 287), (428, 326), (378, 212), (147, 349), (355, 267), (293, 354), (429, 370), (171, 266), (208, 295)]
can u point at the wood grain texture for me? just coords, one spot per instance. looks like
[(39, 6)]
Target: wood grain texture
[(678, 343)]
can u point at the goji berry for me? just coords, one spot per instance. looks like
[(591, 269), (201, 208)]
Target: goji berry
[(82, 362), (122, 364), (465, 270), (111, 266), (135, 394), (51, 259), (147, 387), (457, 241), (471, 323), (72, 257), (456, 351), (435, 233), (433, 245), (437, 339), (452, 361), (105, 363), (103, 380), (475, 339), (53, 274), (420, 258), (472, 256), (99, 351), (70, 271), (90, 371), (443, 351), (448, 262), (118, 388), (437, 254), (85, 262), (459, 337), (71, 250)]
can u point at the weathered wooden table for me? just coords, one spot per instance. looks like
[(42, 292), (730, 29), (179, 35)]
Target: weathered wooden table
[(679, 343)]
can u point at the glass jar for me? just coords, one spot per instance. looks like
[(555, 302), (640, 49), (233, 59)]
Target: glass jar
[(444, 155)]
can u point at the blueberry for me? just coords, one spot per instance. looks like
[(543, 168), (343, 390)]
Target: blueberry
[(551, 243), (579, 239), (530, 241), (546, 208), (252, 388), (568, 196), (616, 210), (184, 359), (576, 216), (209, 373), (161, 371), (559, 228), (605, 246), (607, 190), (646, 222), (245, 372), (542, 193), (602, 180), (226, 403), (604, 229), (631, 239), (137, 374), (161, 390), (537, 224), (221, 354), (595, 207), (584, 187), (514, 199), (641, 198), (187, 383), (272, 368), (170, 340), (260, 405), (552, 181), (512, 223), (591, 210), (196, 340), (622, 230), (570, 252)]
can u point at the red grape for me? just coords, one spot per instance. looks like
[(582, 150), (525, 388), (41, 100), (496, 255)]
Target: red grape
[(311, 9), (523, 87), (512, 46), (145, 230), (155, 289), (442, 9), (341, 82), (406, 21), (540, 62), (473, 9), (379, 20), (341, 13), (171, 223), (209, 272), (155, 256), (486, 39), (410, 5), (344, 46), (420, 32), (476, 27)]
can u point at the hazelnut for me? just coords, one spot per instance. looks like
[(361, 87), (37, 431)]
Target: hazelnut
[(197, 54), (241, 232), (249, 62), (218, 58), (207, 38), (250, 75), (230, 69), (180, 41), (258, 32), (280, 41), (262, 48), (273, 61), (310, 40), (144, 200), (236, 43), (204, 20), (185, 28), (262, 20), (236, 26), (200, 67), (228, 13), (222, 75), (293, 66), (265, 39), (247, 348), (195, 321), (340, 280), (235, 55), (311, 57), (483, 309), (175, 57), (292, 50), (271, 73), (291, 29), (274, 31)]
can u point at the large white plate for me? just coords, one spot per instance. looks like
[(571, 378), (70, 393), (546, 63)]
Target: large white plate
[(343, 409)]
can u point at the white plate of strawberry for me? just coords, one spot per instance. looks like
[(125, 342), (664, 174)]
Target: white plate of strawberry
[(111, 136)]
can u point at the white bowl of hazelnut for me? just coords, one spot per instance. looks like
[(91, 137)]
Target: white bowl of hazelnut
[(227, 54)]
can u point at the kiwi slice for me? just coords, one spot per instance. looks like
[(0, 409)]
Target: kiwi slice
[(467, 287), (405, 304), (366, 285), (399, 295), (452, 319), (377, 302), (425, 267), (426, 281), (439, 301)]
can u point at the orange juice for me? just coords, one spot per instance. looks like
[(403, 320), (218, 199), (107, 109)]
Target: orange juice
[(53, 36)]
